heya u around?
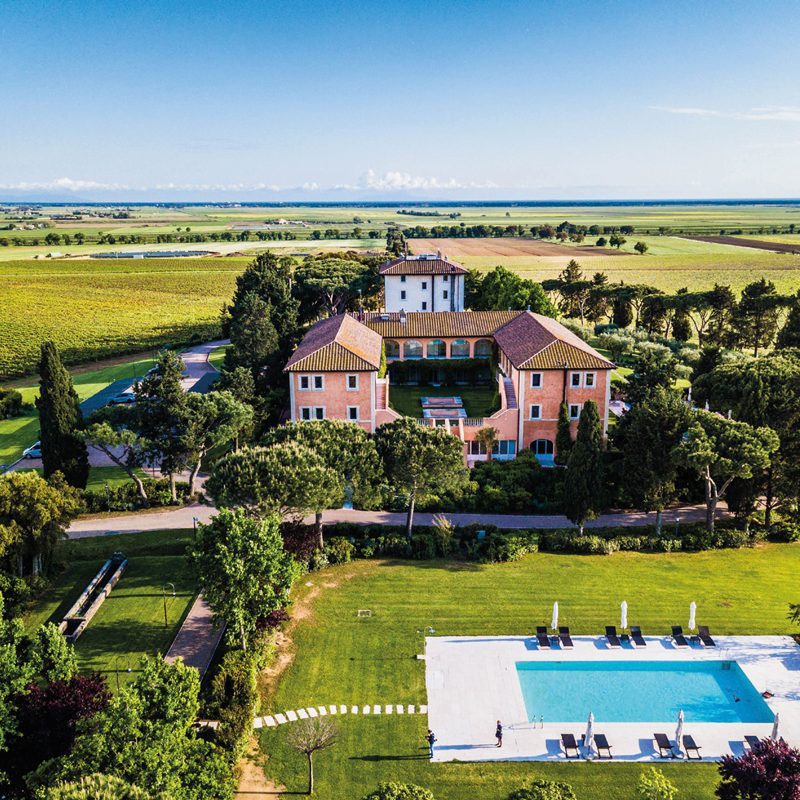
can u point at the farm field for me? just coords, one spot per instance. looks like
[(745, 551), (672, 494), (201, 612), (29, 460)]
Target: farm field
[(92, 309), (504, 248), (340, 657), (760, 244), (666, 272), (130, 624)]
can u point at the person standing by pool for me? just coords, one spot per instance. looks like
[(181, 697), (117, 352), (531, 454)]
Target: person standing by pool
[(431, 740), (498, 733)]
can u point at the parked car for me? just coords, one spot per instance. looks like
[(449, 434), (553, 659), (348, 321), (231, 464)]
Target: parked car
[(122, 398), (34, 451)]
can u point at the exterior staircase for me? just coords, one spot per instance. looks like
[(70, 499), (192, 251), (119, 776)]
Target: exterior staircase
[(380, 394), (511, 395)]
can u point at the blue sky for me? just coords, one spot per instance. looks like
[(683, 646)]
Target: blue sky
[(431, 100)]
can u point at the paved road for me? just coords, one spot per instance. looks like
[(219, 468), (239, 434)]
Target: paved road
[(197, 365), (183, 518)]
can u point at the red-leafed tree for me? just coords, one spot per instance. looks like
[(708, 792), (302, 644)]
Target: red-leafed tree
[(47, 715), (770, 771)]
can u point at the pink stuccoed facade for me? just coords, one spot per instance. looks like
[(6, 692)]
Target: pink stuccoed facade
[(538, 364)]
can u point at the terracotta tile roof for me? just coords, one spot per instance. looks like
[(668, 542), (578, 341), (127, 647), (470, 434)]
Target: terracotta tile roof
[(337, 344), (532, 341), (430, 265), (434, 324)]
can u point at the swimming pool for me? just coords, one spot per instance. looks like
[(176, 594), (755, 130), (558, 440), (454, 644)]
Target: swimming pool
[(642, 691)]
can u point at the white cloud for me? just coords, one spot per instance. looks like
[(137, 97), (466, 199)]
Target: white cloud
[(396, 181), (759, 114), (63, 184)]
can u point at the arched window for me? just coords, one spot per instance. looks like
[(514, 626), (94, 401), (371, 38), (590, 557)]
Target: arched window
[(437, 349), (412, 350), (543, 450), (392, 348), (483, 348), (459, 349)]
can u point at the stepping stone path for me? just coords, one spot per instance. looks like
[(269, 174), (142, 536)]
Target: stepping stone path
[(273, 720)]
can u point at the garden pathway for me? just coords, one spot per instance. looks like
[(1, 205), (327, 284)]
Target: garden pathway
[(183, 518), (197, 640), (273, 720)]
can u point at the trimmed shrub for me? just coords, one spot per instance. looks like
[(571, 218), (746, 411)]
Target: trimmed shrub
[(784, 532), (339, 550), (10, 403), (543, 790), (233, 697), (399, 791)]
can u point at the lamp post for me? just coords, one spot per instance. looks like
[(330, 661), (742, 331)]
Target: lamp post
[(194, 525), (116, 667), (164, 592)]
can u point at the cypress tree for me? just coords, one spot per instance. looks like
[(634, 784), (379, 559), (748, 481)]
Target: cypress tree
[(60, 419), (563, 435), (583, 484)]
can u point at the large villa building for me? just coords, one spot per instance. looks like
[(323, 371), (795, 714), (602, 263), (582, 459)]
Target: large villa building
[(534, 362)]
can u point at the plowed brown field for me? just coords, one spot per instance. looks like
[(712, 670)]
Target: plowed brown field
[(459, 248)]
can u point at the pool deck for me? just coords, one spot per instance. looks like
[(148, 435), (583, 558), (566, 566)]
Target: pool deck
[(472, 682)]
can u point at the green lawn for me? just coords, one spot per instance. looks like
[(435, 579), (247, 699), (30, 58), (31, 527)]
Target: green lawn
[(18, 433), (479, 401), (130, 623), (217, 357), (341, 658)]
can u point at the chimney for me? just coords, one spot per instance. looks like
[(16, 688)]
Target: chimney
[(402, 316)]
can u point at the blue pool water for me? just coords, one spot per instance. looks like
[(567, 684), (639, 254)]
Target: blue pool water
[(642, 691)]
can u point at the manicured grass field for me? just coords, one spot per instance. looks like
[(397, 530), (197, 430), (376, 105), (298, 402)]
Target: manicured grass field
[(343, 658), (18, 433), (479, 401), (130, 623)]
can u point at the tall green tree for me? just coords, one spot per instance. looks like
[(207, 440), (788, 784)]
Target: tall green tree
[(243, 570), (344, 447), (501, 289), (268, 280), (755, 318), (60, 421), (763, 392), (789, 335), (420, 460), (160, 416), (211, 420), (722, 305), (563, 435), (583, 483), (720, 450), (288, 479), (646, 436), (331, 285), (34, 516)]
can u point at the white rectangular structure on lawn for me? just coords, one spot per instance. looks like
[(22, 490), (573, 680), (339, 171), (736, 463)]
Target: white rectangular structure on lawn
[(633, 693)]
